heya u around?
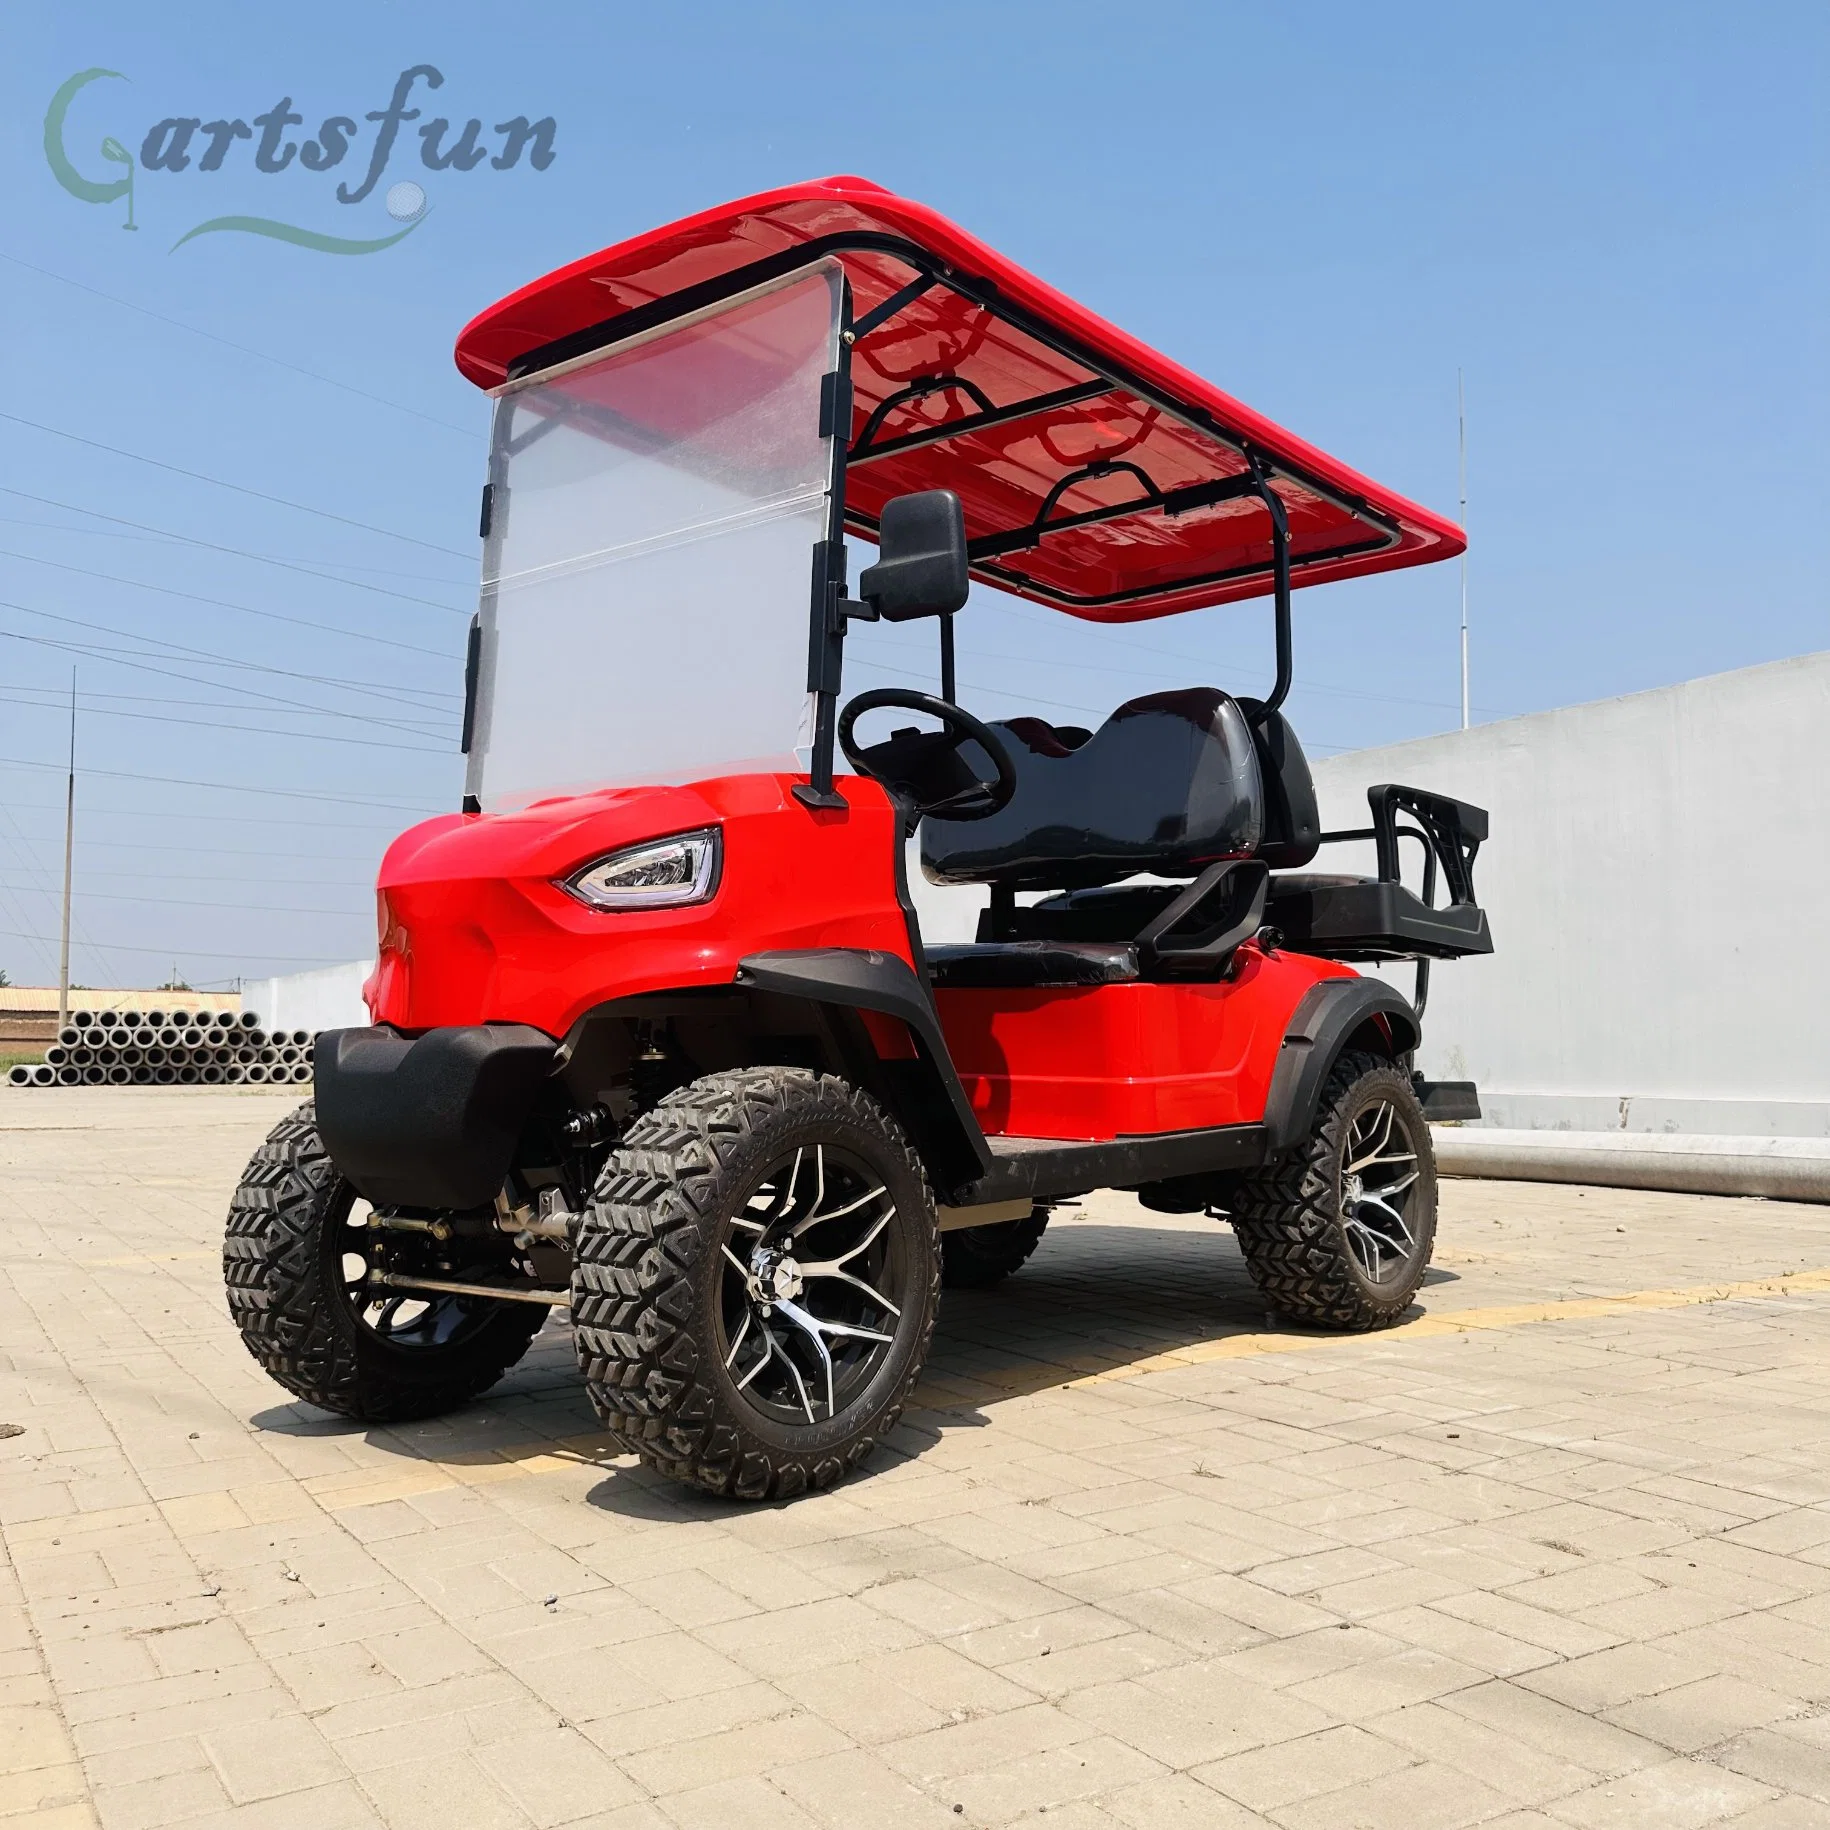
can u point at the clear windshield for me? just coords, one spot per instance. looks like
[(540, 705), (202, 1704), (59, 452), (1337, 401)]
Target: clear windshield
[(647, 574)]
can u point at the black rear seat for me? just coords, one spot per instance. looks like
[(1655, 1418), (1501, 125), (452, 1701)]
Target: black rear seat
[(1168, 785)]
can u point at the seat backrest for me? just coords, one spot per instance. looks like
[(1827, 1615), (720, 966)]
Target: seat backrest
[(1169, 784), (1292, 820)]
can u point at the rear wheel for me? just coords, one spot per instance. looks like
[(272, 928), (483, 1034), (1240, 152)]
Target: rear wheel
[(1340, 1232), (976, 1257), (755, 1282), (296, 1259)]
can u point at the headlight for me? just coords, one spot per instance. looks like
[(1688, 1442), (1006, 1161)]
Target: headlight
[(657, 874)]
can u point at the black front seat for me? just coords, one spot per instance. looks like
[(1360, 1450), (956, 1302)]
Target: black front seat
[(1168, 785)]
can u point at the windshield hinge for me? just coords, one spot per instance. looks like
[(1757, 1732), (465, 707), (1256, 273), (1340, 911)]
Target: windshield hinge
[(835, 404), (473, 654)]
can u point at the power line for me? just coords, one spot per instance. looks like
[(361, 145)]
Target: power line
[(137, 659), (167, 902), (264, 820), (17, 912), (255, 730), (109, 946), (240, 489), (245, 878), (875, 640), (184, 781), (400, 693), (156, 536), (113, 658), (33, 868), (1023, 611), (330, 381), (904, 673), (202, 851), (430, 724), (234, 552), (221, 603)]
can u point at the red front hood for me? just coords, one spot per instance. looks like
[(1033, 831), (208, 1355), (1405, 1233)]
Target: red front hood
[(474, 928)]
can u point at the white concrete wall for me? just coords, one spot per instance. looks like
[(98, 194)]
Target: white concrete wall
[(329, 998), (1657, 879)]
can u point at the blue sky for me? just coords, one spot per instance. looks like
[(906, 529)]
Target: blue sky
[(1610, 217)]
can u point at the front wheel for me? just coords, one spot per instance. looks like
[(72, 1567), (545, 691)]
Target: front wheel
[(297, 1258), (756, 1281), (1339, 1233)]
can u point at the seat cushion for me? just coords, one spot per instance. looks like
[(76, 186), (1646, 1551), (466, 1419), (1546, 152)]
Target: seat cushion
[(1169, 784), (1362, 918), (1118, 912), (1011, 964)]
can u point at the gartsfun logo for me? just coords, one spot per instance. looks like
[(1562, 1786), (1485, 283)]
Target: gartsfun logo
[(189, 144)]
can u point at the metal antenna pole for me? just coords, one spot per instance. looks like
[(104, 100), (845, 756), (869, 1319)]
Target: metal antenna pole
[(1461, 426), (63, 964)]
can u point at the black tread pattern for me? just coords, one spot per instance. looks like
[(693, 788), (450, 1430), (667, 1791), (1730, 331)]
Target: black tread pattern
[(296, 1322), (651, 1235), (1287, 1215), (976, 1257)]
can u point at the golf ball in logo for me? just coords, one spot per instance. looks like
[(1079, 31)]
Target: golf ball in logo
[(406, 202)]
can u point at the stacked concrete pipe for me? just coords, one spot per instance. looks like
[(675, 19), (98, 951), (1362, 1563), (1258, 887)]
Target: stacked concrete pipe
[(177, 1047)]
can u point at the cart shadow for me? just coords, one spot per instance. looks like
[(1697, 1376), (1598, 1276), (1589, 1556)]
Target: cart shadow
[(1097, 1303), (1105, 1302)]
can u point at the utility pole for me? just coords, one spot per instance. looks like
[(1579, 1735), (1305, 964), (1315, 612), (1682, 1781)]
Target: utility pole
[(63, 964), (1461, 427)]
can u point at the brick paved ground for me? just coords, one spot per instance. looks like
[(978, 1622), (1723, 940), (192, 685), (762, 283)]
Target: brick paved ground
[(1555, 1554)]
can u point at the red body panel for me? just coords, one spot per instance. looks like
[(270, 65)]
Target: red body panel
[(1103, 1061), (1003, 474), (475, 929)]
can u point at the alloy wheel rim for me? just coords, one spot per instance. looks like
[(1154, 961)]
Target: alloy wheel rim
[(1379, 1174), (408, 1321), (814, 1283)]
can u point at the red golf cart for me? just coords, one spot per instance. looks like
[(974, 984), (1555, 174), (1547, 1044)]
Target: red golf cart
[(656, 1035)]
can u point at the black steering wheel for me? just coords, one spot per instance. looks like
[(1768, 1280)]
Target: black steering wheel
[(926, 766)]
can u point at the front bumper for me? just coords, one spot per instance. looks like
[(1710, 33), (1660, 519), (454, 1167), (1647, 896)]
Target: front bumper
[(430, 1121)]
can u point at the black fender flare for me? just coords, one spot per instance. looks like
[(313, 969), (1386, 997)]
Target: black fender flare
[(947, 1131), (1330, 1014)]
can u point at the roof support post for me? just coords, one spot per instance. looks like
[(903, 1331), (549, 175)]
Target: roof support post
[(826, 632), (1280, 580)]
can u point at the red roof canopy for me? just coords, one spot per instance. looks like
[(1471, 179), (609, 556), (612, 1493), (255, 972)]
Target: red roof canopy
[(1097, 476)]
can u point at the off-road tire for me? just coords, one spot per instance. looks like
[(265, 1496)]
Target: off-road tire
[(976, 1257), (281, 1259), (1289, 1221), (647, 1273)]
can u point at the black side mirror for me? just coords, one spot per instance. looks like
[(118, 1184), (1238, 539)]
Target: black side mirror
[(922, 570)]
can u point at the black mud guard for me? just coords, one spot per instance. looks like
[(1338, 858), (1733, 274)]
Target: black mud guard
[(1329, 1014), (857, 978), (430, 1121)]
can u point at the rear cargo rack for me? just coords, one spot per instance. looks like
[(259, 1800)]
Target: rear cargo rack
[(1379, 918)]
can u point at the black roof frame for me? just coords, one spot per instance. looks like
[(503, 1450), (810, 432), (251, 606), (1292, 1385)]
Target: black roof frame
[(829, 605), (1105, 376)]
